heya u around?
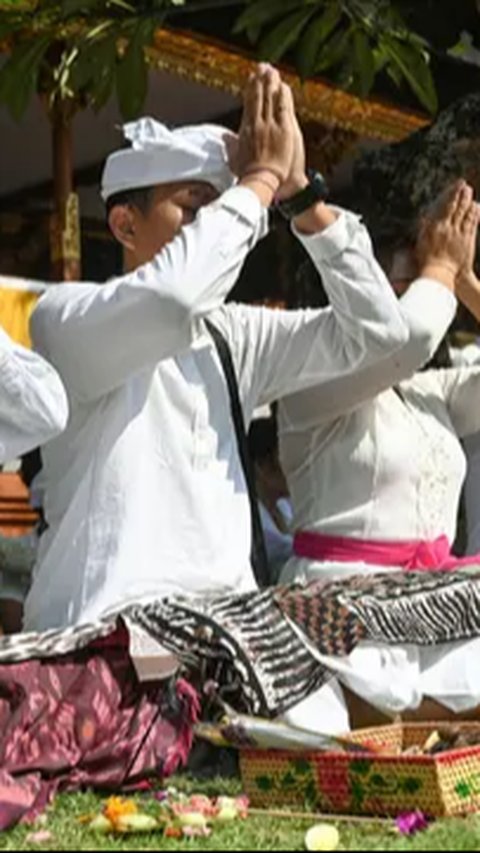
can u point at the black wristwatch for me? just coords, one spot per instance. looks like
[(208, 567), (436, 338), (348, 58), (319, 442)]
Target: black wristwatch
[(317, 190)]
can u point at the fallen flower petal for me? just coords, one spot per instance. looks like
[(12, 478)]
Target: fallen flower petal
[(411, 822), (196, 831), (43, 836)]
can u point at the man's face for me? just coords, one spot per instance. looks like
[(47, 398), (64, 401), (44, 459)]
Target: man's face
[(173, 206)]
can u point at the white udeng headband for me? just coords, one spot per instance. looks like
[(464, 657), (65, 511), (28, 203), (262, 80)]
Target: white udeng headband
[(158, 155)]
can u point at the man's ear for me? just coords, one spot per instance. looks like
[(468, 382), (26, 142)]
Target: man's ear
[(122, 225)]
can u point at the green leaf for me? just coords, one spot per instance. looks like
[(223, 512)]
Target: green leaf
[(335, 50), (317, 33), (19, 75), (415, 69), (364, 61), (458, 49), (20, 98), (419, 41), (104, 68), (284, 35), (253, 32), (97, 31), (262, 12), (122, 4), (132, 70), (62, 73), (346, 77), (94, 69), (18, 6), (395, 75), (380, 58), (8, 26), (83, 66), (75, 7), (81, 71)]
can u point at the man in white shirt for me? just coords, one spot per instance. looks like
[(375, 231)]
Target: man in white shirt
[(145, 491), (33, 408), (33, 403)]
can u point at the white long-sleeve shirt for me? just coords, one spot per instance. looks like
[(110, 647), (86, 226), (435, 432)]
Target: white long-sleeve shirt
[(470, 356), (367, 462), (145, 493), (33, 403)]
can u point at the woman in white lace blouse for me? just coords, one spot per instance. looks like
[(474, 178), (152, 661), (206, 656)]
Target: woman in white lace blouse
[(375, 469)]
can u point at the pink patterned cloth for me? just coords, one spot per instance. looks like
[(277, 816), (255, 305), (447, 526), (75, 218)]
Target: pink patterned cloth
[(83, 719)]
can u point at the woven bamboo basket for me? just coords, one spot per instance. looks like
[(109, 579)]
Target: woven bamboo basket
[(385, 784)]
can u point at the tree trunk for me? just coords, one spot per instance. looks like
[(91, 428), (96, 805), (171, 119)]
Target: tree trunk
[(65, 233)]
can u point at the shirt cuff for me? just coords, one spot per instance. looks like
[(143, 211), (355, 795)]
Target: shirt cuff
[(427, 297), (334, 239)]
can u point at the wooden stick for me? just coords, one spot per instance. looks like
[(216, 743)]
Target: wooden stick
[(318, 816)]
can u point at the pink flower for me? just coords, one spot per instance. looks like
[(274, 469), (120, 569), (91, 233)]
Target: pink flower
[(411, 822), (202, 804), (179, 809), (243, 805), (196, 831)]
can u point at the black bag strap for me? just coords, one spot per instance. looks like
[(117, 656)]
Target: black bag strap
[(258, 555)]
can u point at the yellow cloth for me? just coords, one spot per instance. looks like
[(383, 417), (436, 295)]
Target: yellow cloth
[(16, 307)]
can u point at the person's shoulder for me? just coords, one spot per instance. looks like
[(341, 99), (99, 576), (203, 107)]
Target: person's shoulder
[(59, 295), (429, 383)]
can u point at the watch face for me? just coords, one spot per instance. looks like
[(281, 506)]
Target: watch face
[(316, 191), (319, 184)]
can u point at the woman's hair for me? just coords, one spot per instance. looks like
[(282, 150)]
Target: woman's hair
[(31, 465), (263, 439)]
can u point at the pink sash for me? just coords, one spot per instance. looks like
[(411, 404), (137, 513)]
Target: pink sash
[(415, 555)]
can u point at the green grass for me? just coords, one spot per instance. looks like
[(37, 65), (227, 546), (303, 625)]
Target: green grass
[(257, 833)]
